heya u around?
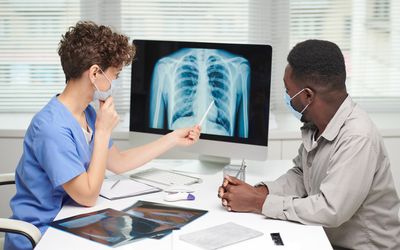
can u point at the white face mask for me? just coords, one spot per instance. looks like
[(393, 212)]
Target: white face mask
[(103, 95), (288, 101)]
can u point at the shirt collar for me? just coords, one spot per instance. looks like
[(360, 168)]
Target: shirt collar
[(337, 121), (333, 127)]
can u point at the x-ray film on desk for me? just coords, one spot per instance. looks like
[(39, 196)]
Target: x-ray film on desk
[(111, 227), (173, 216), (175, 82)]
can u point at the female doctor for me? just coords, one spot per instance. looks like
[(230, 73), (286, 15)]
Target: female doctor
[(67, 147)]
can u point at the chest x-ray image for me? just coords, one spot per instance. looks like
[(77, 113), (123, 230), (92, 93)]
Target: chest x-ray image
[(184, 84)]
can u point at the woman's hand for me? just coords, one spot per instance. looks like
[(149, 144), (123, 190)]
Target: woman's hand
[(186, 136), (107, 117)]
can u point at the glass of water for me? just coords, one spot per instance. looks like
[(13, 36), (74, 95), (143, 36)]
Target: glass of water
[(237, 171)]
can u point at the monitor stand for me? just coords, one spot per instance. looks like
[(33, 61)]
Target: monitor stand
[(205, 165)]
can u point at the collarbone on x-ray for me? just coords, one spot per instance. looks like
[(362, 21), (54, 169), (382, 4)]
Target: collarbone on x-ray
[(184, 83)]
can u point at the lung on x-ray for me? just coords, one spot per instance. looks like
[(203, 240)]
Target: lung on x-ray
[(184, 83)]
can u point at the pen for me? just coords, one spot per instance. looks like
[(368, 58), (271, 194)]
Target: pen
[(115, 183), (242, 167), (205, 114)]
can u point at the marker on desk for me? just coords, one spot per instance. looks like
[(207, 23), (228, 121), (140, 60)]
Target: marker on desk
[(179, 197), (205, 114)]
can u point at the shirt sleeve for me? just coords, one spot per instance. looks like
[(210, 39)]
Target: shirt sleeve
[(55, 149), (349, 178), (291, 183)]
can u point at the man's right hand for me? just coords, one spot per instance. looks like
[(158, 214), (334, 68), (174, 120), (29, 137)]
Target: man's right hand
[(107, 117), (239, 196)]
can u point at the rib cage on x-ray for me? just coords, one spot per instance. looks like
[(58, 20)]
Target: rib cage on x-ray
[(187, 81)]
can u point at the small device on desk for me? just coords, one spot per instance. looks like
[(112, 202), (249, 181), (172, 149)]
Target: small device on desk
[(276, 238)]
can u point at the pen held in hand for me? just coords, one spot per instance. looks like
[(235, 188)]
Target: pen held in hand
[(115, 183), (205, 114)]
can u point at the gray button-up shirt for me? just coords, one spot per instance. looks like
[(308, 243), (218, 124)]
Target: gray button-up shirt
[(342, 182)]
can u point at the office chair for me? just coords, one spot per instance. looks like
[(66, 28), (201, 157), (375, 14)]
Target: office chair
[(31, 232)]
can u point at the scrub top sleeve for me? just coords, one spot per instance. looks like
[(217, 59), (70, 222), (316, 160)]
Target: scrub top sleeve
[(55, 149)]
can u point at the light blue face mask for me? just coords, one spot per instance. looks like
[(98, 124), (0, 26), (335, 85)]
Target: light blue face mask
[(103, 95), (288, 100)]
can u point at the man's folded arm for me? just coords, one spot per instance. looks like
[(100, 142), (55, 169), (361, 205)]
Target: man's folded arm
[(291, 183), (341, 193)]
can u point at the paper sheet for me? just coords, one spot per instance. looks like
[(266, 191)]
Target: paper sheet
[(124, 188), (220, 236)]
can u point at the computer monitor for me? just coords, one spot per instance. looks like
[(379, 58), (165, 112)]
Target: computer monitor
[(174, 83)]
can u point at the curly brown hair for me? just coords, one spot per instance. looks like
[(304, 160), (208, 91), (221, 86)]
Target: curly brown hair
[(87, 43)]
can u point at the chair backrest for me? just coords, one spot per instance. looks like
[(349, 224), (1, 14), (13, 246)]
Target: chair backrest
[(7, 179), (7, 190), (31, 232)]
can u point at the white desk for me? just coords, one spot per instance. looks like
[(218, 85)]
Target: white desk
[(294, 236)]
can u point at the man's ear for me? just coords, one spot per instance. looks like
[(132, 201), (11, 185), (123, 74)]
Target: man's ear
[(310, 95)]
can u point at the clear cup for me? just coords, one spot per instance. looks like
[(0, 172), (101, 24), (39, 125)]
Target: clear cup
[(235, 171)]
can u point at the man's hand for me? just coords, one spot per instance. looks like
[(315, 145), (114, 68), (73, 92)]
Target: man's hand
[(239, 196)]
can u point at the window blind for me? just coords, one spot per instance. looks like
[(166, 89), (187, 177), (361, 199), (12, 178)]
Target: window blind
[(35, 74), (30, 70), (368, 32)]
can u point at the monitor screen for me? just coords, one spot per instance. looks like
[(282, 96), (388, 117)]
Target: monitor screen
[(225, 87)]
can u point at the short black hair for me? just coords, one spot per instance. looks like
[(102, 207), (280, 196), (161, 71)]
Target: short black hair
[(319, 63)]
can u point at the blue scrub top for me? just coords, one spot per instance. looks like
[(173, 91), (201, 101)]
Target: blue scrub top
[(54, 152)]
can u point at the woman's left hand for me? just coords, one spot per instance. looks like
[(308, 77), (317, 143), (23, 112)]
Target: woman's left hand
[(186, 136)]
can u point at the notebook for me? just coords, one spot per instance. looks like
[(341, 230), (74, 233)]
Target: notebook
[(122, 188), (165, 177)]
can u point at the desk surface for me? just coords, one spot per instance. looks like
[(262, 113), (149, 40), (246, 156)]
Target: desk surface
[(294, 236)]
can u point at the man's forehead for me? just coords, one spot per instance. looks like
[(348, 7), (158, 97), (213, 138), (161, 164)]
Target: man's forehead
[(286, 75)]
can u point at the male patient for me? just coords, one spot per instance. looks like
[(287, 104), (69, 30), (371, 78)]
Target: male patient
[(341, 178)]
